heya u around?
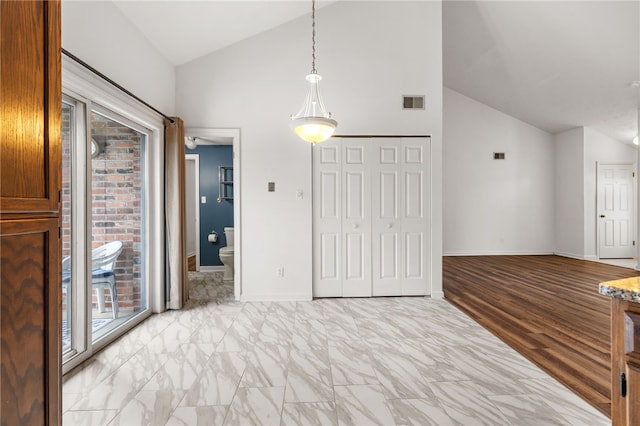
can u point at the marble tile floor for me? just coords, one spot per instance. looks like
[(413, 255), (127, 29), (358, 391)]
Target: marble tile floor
[(380, 361)]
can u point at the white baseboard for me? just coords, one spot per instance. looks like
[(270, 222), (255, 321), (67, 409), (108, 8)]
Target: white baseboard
[(570, 255), (499, 253)]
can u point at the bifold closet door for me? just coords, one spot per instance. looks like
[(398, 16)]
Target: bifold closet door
[(342, 222), (371, 217), (356, 217), (400, 216), (327, 221), (387, 199), (414, 215)]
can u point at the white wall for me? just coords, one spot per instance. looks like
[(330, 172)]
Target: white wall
[(99, 34), (598, 148), (569, 193), (370, 54), (495, 206)]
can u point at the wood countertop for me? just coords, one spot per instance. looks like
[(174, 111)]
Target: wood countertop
[(626, 289)]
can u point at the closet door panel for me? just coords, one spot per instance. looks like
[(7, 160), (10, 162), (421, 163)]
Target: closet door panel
[(327, 263), (387, 196), (356, 218), (415, 215)]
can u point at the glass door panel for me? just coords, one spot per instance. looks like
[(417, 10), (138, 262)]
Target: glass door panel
[(117, 219)]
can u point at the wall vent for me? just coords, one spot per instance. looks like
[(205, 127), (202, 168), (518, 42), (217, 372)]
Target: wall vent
[(498, 156), (413, 102)]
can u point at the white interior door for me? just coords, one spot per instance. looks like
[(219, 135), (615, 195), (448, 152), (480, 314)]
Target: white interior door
[(356, 217), (615, 211), (327, 233)]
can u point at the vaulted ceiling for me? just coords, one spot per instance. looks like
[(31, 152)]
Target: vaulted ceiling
[(553, 64)]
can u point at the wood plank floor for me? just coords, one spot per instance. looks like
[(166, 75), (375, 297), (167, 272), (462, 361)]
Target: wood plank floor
[(545, 307)]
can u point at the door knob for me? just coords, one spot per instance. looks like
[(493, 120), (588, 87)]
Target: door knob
[(356, 226), (601, 215), (389, 225)]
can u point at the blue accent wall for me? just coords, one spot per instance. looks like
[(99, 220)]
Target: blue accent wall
[(213, 215)]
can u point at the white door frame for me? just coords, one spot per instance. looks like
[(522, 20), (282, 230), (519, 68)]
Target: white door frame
[(196, 158), (634, 205), (228, 137)]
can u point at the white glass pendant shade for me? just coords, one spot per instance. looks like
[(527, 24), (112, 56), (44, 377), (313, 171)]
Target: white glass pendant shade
[(313, 123)]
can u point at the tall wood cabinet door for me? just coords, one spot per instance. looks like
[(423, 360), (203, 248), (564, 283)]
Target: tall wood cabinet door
[(415, 218), (387, 197), (356, 217), (327, 224), (633, 394), (30, 155), (29, 314), (31, 93)]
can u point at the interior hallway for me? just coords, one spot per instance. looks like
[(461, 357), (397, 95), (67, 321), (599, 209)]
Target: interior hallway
[(385, 361)]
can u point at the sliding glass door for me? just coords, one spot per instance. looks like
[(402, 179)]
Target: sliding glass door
[(104, 231)]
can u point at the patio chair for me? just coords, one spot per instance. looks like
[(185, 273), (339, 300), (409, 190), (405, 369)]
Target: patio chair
[(103, 260)]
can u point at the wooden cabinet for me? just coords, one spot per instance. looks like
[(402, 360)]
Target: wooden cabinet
[(30, 153), (625, 357)]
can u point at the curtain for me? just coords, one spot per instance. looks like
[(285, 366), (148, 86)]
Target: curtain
[(176, 272)]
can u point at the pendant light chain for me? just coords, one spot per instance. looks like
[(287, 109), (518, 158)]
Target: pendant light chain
[(313, 37)]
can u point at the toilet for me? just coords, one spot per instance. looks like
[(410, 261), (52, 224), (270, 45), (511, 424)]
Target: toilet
[(226, 255)]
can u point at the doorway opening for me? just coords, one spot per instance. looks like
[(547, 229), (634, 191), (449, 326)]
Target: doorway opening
[(216, 200)]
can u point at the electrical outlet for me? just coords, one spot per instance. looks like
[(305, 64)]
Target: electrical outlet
[(280, 272), (203, 199)]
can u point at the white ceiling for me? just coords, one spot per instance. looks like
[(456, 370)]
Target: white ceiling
[(183, 30), (553, 64)]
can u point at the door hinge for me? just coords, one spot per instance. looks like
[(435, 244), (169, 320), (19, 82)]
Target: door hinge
[(623, 385), (59, 232), (634, 242), (633, 174)]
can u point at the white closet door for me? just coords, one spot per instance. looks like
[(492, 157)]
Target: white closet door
[(371, 217), (387, 200), (415, 218), (327, 224), (356, 217)]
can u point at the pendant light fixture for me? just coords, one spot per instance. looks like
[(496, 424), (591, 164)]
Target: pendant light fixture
[(313, 123)]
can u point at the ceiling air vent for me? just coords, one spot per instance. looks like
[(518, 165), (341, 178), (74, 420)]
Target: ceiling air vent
[(498, 156), (413, 102)]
